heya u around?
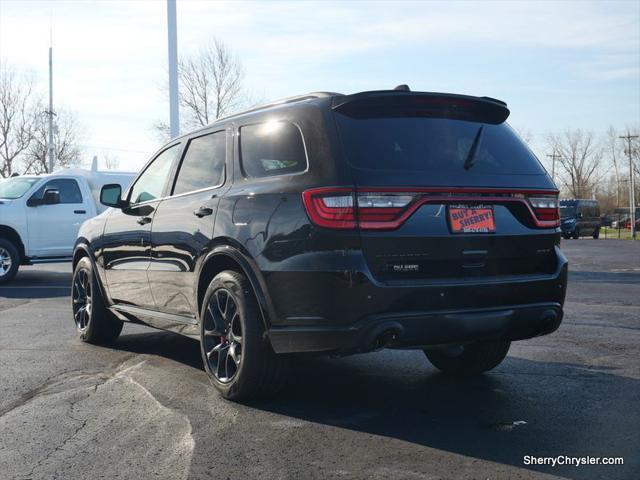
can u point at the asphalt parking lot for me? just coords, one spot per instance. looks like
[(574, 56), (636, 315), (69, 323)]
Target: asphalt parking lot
[(144, 408)]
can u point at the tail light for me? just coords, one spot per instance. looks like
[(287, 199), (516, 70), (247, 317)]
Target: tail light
[(343, 208), (387, 209), (546, 208), (330, 208)]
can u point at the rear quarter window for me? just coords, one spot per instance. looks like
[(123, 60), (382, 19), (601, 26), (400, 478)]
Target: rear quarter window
[(270, 149)]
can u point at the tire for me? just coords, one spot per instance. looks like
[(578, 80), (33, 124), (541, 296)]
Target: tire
[(231, 322), (9, 261), (596, 234), (94, 322), (566, 236), (576, 233), (472, 359)]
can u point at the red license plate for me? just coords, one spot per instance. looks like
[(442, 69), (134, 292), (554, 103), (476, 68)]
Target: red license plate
[(471, 219)]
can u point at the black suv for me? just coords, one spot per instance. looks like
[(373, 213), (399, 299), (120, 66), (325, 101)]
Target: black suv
[(331, 224), (579, 218)]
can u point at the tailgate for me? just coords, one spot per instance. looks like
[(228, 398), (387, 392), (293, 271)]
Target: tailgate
[(417, 166)]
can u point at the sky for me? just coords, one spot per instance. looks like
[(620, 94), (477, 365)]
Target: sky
[(558, 65)]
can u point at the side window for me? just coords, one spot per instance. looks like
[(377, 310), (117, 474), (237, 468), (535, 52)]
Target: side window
[(68, 188), (588, 210), (150, 184), (203, 163), (271, 148)]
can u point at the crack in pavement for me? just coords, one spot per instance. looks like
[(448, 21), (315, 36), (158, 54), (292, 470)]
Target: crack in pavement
[(62, 379), (83, 386), (60, 447)]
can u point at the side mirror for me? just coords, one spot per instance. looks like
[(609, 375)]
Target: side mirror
[(579, 215), (110, 195), (51, 197)]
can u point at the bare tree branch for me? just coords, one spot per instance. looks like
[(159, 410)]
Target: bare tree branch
[(66, 137), (210, 86), (18, 111), (580, 162), (111, 161)]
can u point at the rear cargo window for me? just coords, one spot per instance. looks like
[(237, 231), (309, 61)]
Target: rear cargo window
[(271, 148), (413, 144)]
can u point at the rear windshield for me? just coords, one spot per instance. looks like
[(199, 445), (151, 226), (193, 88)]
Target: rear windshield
[(413, 144)]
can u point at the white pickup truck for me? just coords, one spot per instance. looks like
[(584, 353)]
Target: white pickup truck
[(40, 215)]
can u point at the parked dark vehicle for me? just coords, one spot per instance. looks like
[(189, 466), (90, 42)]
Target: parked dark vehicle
[(332, 224), (580, 218), (606, 220), (623, 219)]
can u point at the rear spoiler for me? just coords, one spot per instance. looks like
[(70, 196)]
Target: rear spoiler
[(394, 103)]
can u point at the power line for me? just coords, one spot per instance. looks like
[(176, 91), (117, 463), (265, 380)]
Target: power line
[(553, 158), (632, 190), (99, 147)]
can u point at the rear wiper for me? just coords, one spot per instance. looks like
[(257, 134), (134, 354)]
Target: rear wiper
[(471, 156)]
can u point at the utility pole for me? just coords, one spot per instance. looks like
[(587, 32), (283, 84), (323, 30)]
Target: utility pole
[(174, 117), (50, 149), (632, 188), (553, 158)]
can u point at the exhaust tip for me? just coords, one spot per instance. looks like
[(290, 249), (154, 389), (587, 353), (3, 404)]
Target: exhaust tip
[(386, 338), (550, 316)]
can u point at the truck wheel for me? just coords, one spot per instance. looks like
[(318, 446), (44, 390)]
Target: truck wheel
[(596, 234), (94, 322), (235, 351), (9, 261), (469, 359)]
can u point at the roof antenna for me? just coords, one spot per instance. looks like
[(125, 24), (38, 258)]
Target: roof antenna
[(403, 88)]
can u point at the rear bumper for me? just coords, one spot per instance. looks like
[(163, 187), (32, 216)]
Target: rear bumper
[(333, 312), (421, 329)]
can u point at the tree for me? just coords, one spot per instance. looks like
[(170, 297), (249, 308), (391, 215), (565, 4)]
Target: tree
[(66, 134), (111, 161), (524, 134), (210, 85), (615, 153), (580, 161), (17, 116)]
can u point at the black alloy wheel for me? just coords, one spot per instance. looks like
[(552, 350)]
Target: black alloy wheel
[(222, 335), (94, 322), (234, 343), (82, 299)]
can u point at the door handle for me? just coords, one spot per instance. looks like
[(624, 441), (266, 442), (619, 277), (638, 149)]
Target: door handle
[(203, 212), (143, 220), (80, 212)]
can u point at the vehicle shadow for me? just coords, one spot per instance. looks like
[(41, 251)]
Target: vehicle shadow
[(163, 344), (568, 409), (524, 407), (33, 283)]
